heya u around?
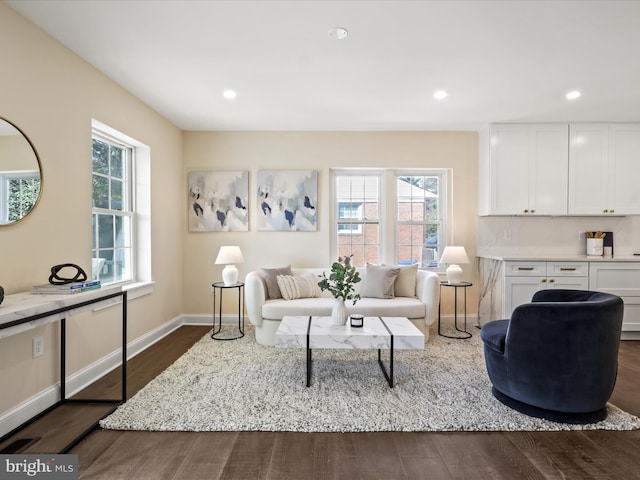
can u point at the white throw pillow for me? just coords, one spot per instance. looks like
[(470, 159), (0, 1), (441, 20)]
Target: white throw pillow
[(405, 285), (298, 286), (379, 282)]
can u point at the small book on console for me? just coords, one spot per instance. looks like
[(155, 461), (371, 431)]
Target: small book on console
[(69, 288)]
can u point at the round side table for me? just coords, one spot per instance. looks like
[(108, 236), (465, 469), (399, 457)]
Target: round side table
[(464, 333), (221, 286)]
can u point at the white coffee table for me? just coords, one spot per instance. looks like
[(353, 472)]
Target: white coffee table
[(381, 333)]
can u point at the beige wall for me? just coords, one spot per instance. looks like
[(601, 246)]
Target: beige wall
[(321, 151), (52, 95)]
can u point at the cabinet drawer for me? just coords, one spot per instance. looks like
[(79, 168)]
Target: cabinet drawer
[(631, 318), (568, 269), (622, 279), (525, 269)]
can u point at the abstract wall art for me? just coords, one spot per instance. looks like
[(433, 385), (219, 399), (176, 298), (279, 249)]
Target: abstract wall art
[(287, 200), (218, 201)]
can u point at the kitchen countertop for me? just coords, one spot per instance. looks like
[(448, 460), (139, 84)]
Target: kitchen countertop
[(561, 258)]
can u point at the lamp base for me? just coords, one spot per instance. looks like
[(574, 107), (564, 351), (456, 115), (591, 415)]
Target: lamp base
[(454, 274), (230, 275)]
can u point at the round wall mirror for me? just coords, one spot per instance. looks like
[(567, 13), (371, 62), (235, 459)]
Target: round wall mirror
[(20, 174)]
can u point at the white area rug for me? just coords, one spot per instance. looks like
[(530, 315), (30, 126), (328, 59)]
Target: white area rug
[(242, 386)]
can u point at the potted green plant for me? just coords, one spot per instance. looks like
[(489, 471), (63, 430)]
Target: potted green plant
[(340, 284)]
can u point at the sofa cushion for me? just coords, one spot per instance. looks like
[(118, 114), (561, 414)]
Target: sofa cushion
[(271, 279), (298, 286), (405, 285), (379, 281), (321, 307)]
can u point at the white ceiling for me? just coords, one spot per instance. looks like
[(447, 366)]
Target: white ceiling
[(501, 61)]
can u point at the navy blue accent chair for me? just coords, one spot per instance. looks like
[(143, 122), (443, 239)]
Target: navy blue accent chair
[(557, 357)]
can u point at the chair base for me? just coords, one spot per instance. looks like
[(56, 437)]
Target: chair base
[(554, 416)]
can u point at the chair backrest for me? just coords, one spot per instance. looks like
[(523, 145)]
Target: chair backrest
[(576, 332)]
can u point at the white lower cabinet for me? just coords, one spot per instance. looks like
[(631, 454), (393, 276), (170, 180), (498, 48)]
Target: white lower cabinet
[(622, 279), (523, 279)]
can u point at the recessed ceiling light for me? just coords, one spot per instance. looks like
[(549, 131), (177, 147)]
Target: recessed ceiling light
[(573, 94), (229, 94), (338, 33), (440, 94)]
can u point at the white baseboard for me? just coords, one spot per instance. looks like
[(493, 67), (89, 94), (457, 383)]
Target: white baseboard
[(24, 411)]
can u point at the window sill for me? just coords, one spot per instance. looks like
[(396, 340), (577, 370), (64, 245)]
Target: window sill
[(138, 289), (133, 289)]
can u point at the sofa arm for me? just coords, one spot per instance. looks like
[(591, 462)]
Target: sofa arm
[(256, 295), (428, 291)]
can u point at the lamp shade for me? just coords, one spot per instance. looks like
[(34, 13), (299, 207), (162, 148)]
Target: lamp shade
[(229, 255), (454, 256)]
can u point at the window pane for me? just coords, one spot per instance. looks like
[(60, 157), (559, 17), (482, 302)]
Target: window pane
[(22, 194), (106, 273), (100, 192), (123, 229), (117, 155), (100, 157), (105, 231), (120, 264), (116, 195), (432, 212)]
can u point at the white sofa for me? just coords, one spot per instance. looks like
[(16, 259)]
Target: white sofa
[(265, 314)]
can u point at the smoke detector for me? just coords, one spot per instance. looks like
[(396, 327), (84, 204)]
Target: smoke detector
[(338, 33)]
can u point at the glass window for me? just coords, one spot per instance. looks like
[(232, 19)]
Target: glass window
[(416, 199), (112, 210), (420, 234), (19, 191), (357, 216)]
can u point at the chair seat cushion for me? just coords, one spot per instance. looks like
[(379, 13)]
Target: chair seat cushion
[(493, 335), (397, 307)]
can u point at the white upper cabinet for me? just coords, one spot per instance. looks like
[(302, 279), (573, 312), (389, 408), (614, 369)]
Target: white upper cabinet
[(604, 164), (528, 169)]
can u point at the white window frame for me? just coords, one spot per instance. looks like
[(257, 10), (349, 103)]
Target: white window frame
[(141, 283), (388, 209), (443, 211), (335, 173), (127, 210)]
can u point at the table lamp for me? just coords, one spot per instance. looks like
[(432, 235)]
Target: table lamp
[(454, 256), (228, 256)]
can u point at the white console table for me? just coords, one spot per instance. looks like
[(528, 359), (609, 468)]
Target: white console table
[(24, 311)]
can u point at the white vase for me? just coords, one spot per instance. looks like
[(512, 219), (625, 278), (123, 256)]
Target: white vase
[(339, 312)]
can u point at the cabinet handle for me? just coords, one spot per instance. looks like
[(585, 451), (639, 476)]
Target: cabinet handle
[(611, 211), (544, 280), (525, 268), (526, 211), (533, 211), (605, 211), (567, 269), (551, 281)]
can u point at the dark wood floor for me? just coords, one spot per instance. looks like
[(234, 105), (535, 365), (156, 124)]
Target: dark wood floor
[(117, 455)]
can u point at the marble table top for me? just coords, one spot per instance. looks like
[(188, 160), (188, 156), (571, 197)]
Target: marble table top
[(292, 333), (19, 307)]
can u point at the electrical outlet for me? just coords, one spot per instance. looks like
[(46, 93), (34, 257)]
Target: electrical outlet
[(38, 346)]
